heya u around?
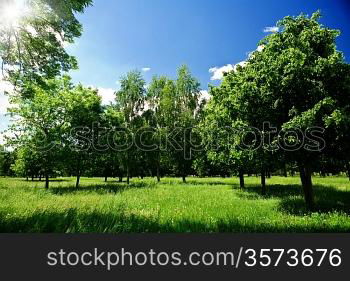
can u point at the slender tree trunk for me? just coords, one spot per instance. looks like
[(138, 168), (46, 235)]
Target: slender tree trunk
[(47, 181), (106, 178), (32, 178), (241, 179), (158, 173), (78, 180), (120, 178), (39, 177), (348, 168), (158, 166), (263, 181), (183, 173), (27, 179), (306, 181), (78, 174), (285, 174), (127, 174), (142, 174)]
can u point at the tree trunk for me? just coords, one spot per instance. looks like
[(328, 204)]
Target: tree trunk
[(158, 173), (306, 181), (47, 181), (39, 177), (27, 179), (127, 174), (32, 178), (285, 174), (263, 181), (120, 179), (78, 180), (106, 178), (241, 179), (78, 173), (158, 166), (183, 173), (348, 168)]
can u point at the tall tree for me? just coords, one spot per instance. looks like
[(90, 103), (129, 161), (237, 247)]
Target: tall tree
[(297, 82), (160, 95), (33, 35), (130, 101), (186, 106), (40, 124), (82, 115)]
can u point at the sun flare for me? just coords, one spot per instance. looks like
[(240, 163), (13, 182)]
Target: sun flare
[(12, 11)]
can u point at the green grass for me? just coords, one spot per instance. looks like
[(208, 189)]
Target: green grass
[(200, 205)]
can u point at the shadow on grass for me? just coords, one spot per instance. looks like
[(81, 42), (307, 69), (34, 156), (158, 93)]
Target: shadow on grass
[(179, 181), (100, 188), (276, 190), (43, 180), (194, 182), (73, 221), (327, 198)]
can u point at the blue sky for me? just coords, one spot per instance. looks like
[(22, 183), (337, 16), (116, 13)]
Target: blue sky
[(122, 35)]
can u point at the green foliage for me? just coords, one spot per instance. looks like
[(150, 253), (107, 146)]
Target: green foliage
[(297, 80), (50, 125), (32, 49), (6, 161), (130, 97)]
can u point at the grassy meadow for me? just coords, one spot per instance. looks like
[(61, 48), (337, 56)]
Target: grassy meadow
[(200, 205)]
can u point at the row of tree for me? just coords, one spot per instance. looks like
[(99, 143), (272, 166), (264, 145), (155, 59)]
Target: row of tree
[(297, 81), (65, 129)]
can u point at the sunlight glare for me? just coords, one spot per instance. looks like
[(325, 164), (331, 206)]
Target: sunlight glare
[(12, 11)]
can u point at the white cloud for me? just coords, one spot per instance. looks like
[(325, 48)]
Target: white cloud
[(242, 64), (260, 48), (204, 95), (271, 29), (107, 94), (218, 72), (146, 69)]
